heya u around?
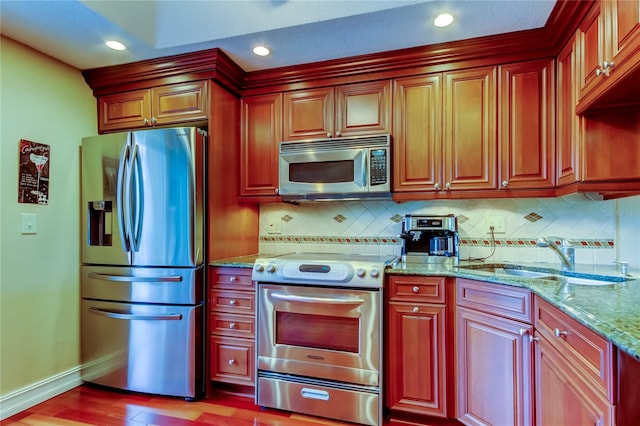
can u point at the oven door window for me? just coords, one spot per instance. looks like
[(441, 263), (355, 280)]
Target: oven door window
[(318, 331)]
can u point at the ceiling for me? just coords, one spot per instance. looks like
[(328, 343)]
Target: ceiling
[(297, 31)]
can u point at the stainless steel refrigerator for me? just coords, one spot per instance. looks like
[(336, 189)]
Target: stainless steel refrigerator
[(142, 273)]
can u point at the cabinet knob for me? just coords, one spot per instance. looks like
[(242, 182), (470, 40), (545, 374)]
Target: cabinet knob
[(416, 309), (607, 64), (233, 302), (599, 72), (145, 122), (559, 333), (338, 134), (232, 279), (436, 186), (526, 332), (153, 121), (329, 135), (276, 190), (505, 183), (416, 289), (231, 361), (447, 186), (232, 325)]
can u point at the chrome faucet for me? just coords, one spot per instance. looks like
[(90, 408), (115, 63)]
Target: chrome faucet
[(566, 251)]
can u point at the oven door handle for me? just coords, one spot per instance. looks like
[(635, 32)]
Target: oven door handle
[(322, 300)]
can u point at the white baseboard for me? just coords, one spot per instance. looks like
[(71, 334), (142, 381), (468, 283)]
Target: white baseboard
[(38, 392)]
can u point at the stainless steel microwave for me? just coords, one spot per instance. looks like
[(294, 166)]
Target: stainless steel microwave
[(335, 169)]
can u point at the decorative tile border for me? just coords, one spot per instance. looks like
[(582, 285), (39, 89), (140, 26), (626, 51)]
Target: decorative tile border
[(471, 242)]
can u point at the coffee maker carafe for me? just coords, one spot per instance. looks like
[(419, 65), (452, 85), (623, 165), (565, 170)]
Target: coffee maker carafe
[(430, 239)]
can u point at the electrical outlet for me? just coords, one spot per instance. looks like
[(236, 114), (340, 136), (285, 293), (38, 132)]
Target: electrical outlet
[(274, 227), (498, 223)]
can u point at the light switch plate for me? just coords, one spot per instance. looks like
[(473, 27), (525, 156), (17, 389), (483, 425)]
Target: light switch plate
[(29, 225)]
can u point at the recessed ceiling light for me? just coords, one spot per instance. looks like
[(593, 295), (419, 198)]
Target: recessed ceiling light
[(115, 45), (443, 20), (261, 50)]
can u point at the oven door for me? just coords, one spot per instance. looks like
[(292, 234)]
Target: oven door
[(322, 332), (330, 172)]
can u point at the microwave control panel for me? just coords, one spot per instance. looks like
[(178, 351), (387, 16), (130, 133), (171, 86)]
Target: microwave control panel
[(378, 161)]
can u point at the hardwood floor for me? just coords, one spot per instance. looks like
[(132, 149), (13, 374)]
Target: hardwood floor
[(91, 405)]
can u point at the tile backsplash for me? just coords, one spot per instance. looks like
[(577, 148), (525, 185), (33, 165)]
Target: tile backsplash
[(606, 230)]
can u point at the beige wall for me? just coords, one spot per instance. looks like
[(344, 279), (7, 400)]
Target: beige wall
[(46, 101)]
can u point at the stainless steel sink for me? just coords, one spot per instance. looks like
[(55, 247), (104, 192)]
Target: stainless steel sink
[(544, 276)]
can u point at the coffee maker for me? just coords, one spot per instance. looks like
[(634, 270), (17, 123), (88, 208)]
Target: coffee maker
[(430, 239)]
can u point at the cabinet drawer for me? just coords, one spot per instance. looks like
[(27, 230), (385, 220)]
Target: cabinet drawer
[(232, 360), (590, 353), (496, 299), (235, 302), (232, 325), (231, 278), (417, 289)]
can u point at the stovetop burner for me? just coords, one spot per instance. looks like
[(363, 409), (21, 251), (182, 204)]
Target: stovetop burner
[(323, 269)]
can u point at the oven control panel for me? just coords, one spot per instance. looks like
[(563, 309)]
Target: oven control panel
[(322, 272)]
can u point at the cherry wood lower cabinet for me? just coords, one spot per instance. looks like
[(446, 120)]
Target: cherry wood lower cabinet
[(232, 329), (418, 358), (575, 371), (494, 354)]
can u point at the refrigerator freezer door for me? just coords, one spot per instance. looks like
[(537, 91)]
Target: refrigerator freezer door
[(143, 348), (102, 239), (166, 187), (176, 286)]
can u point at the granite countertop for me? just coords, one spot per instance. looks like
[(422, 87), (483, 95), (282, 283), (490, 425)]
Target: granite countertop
[(612, 311)]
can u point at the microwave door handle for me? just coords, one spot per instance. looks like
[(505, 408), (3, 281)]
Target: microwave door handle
[(363, 177)]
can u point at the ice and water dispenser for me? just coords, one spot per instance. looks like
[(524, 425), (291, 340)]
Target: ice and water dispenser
[(100, 225)]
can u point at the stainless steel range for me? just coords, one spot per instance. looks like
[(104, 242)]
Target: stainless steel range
[(320, 334)]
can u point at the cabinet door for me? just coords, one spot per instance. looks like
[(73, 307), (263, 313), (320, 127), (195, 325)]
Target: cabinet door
[(417, 130), (567, 122), (179, 103), (416, 381), (494, 370), (124, 111), (363, 108), (260, 134), (625, 28), (591, 38), (308, 114), (470, 129), (526, 125), (561, 397)]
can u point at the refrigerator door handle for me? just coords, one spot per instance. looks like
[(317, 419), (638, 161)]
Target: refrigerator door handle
[(118, 315), (137, 199), (121, 203), (127, 278)]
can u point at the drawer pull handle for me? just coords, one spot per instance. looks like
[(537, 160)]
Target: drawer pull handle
[(232, 325), (232, 361), (559, 333), (416, 309), (232, 279), (416, 290), (233, 302)]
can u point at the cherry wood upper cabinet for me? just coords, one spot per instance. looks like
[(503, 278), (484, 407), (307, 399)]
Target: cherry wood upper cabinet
[(567, 121), (157, 106), (260, 133), (417, 133), (470, 119), (346, 110), (527, 142), (609, 49)]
